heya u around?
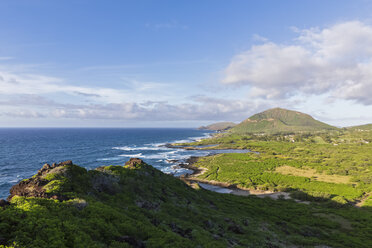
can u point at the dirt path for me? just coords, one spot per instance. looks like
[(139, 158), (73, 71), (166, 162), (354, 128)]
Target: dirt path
[(360, 202)]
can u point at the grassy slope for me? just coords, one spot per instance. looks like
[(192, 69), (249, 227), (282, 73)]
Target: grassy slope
[(362, 127), (280, 120), (219, 126), (340, 154), (150, 209)]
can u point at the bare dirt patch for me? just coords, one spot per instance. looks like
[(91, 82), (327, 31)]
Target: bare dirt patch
[(311, 173)]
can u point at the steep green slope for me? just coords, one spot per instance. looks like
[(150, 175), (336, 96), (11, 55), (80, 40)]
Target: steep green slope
[(280, 120), (220, 126), (136, 205)]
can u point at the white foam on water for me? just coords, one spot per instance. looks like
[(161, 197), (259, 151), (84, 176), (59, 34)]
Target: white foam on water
[(192, 139), (132, 155), (124, 148), (156, 144), (108, 159), (140, 148), (161, 155)]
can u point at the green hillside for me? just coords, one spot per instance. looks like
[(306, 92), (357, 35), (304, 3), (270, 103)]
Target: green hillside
[(361, 127), (136, 205), (219, 126), (280, 120)]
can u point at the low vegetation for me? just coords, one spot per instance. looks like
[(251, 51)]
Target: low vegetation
[(138, 206), (334, 164)]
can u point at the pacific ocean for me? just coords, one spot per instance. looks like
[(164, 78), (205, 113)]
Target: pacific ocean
[(23, 151)]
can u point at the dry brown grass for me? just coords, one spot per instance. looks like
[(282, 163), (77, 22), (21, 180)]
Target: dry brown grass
[(311, 173)]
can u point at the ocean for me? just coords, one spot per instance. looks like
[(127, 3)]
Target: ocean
[(24, 151)]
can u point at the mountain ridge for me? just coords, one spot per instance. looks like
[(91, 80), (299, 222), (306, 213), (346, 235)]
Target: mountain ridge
[(277, 120), (219, 126)]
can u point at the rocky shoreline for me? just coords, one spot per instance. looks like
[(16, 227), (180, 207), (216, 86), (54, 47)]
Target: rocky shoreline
[(34, 187), (192, 180)]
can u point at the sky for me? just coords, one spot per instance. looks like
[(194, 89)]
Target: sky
[(90, 63)]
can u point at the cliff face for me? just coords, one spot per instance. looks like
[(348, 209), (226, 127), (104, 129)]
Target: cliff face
[(136, 205), (40, 184), (64, 181)]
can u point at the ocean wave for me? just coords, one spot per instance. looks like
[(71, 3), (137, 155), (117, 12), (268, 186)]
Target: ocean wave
[(108, 159), (192, 139), (132, 155), (174, 170), (140, 148), (205, 136)]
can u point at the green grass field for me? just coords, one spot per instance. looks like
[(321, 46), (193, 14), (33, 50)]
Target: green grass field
[(340, 163)]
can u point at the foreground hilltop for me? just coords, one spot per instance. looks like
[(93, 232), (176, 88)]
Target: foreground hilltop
[(280, 120), (219, 126), (136, 205)]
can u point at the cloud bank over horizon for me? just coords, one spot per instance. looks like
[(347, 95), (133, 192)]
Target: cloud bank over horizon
[(331, 65)]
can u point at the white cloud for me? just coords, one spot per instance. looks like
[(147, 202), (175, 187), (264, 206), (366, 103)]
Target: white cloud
[(32, 95), (203, 109), (335, 60), (200, 108), (24, 114), (12, 83)]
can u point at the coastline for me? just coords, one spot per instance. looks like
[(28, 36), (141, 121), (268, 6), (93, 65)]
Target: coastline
[(224, 187)]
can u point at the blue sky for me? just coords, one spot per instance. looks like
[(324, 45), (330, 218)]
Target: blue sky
[(182, 63)]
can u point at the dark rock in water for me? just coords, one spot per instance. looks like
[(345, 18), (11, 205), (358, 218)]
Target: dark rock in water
[(171, 160), (168, 145), (132, 241), (175, 167), (4, 203), (134, 163), (191, 160)]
